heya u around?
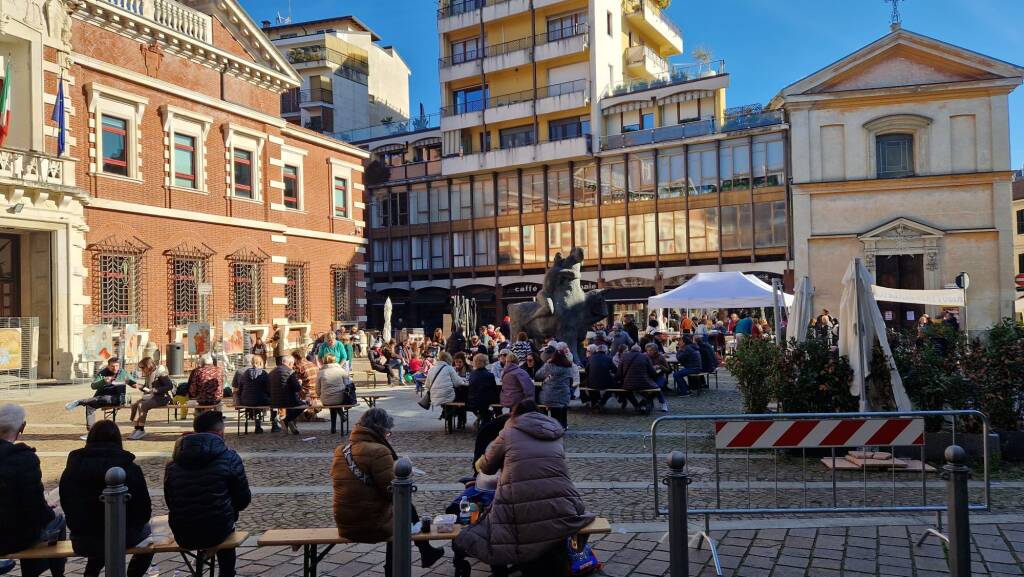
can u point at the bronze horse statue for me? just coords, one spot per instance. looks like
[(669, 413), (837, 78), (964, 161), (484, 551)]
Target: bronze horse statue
[(561, 310)]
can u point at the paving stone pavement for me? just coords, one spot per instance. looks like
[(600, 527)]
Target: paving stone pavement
[(609, 459)]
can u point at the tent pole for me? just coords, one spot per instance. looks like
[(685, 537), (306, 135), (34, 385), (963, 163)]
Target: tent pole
[(778, 312)]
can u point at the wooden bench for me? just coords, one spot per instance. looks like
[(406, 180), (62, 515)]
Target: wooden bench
[(196, 561), (452, 410), (183, 409), (243, 415), (370, 400), (646, 400), (310, 540), (498, 409), (344, 417)]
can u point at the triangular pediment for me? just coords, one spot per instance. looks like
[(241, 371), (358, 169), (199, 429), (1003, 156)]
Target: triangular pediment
[(899, 59), (901, 228), (235, 32)]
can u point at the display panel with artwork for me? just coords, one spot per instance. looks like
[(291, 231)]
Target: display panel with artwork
[(198, 338), (10, 349), (97, 342), (234, 337)]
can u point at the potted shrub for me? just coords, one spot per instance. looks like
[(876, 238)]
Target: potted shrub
[(754, 364), (812, 378), (995, 370)]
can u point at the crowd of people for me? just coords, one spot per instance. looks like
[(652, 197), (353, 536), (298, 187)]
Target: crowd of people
[(520, 479)]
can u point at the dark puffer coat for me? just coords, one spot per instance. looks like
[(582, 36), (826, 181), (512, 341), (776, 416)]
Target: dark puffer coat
[(284, 385), (636, 372), (250, 385), (601, 371), (205, 488), (24, 510), (363, 508), (82, 484), (536, 505)]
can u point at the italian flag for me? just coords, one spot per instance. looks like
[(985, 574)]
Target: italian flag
[(5, 104)]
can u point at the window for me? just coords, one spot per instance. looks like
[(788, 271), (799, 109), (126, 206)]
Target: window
[(770, 224), (641, 177), (462, 249), (419, 206), (243, 173), (559, 238), (439, 209), (118, 282), (469, 99), (394, 157), (559, 189), (380, 255), (465, 50), (341, 293), (508, 193), (702, 172), (341, 198), (1020, 221), (483, 193), (295, 292), (769, 164), (568, 128), (647, 121), (439, 251), (736, 231), (643, 234), (420, 252), (671, 174), (734, 165), (895, 155), (704, 230), (399, 255), (508, 245), (189, 286), (515, 137), (1020, 263), (462, 200), (533, 192), (246, 269), (587, 236), (566, 26), (184, 160), (613, 237), (608, 24), (584, 183), (533, 243), (291, 187), (115, 145), (484, 248), (613, 182), (672, 232)]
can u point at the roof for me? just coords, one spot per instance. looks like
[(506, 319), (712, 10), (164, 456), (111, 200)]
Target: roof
[(719, 290), (308, 23)]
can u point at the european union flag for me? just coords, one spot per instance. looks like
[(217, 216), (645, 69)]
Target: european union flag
[(58, 117)]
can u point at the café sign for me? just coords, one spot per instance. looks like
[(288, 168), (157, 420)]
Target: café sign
[(521, 290)]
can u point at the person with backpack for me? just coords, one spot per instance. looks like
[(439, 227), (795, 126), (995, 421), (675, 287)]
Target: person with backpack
[(334, 387)]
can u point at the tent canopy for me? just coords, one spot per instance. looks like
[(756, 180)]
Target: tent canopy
[(718, 290)]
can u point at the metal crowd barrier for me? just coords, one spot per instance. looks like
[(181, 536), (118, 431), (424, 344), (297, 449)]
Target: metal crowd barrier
[(761, 439)]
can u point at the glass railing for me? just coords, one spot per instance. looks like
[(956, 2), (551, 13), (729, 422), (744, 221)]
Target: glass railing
[(305, 54), (456, 7), (678, 74), (418, 124), (692, 129)]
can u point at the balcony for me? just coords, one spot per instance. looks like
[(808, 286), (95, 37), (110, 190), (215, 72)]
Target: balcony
[(411, 126), (551, 98), (529, 153), (414, 170), (294, 100), (457, 14), (170, 14), (675, 132), (25, 168), (317, 55), (652, 21), (643, 62), (460, 65), (562, 42), (677, 75), (507, 55)]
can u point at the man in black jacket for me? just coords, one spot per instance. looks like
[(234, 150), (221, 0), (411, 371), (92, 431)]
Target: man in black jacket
[(205, 489), (284, 385), (26, 518), (601, 375)]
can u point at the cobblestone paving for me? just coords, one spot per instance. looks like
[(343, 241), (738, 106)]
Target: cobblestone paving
[(610, 460)]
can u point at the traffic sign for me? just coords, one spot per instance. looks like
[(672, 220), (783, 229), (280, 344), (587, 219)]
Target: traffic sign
[(963, 280), (1019, 279)]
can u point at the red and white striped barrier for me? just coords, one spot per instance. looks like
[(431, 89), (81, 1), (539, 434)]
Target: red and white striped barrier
[(816, 433)]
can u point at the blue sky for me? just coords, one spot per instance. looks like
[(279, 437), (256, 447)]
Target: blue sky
[(766, 44)]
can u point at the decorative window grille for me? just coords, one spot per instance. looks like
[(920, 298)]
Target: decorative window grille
[(119, 281), (247, 282), (342, 289), (190, 294), (295, 291)]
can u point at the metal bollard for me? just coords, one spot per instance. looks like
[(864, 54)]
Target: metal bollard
[(401, 549), (114, 498), (678, 549), (957, 473)]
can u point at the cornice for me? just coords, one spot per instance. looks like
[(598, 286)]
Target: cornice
[(912, 182)]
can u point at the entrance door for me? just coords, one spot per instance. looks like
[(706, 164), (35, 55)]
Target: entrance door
[(905, 271), (10, 276)]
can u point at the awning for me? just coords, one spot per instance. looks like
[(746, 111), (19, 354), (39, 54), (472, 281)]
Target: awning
[(431, 141), (941, 297), (686, 96), (628, 106), (390, 148)]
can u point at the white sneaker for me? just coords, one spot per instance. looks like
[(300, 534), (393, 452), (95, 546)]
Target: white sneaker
[(72, 405), (664, 407), (137, 434)]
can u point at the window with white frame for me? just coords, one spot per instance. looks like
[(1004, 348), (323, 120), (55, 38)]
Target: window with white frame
[(292, 179), (185, 132), (341, 204), (341, 192), (116, 140), (244, 151)]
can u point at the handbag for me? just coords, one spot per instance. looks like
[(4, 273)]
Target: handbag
[(424, 402), (582, 561)]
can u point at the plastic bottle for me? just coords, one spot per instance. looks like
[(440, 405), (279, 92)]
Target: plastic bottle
[(464, 511)]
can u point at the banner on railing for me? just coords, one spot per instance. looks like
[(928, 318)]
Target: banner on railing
[(819, 433)]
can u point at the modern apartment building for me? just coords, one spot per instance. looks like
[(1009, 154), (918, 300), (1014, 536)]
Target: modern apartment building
[(349, 81), (563, 124)]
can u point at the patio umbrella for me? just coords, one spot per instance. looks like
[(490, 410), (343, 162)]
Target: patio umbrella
[(860, 323), (386, 332), (800, 311)]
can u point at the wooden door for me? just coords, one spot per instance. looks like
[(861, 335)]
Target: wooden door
[(10, 276), (905, 271)]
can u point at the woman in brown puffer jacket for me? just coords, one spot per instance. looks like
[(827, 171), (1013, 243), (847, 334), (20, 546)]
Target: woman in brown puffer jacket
[(362, 472), (536, 506)]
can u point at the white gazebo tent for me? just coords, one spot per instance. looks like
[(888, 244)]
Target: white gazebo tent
[(718, 290)]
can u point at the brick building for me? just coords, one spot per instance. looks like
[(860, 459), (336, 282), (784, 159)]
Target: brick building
[(204, 205)]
